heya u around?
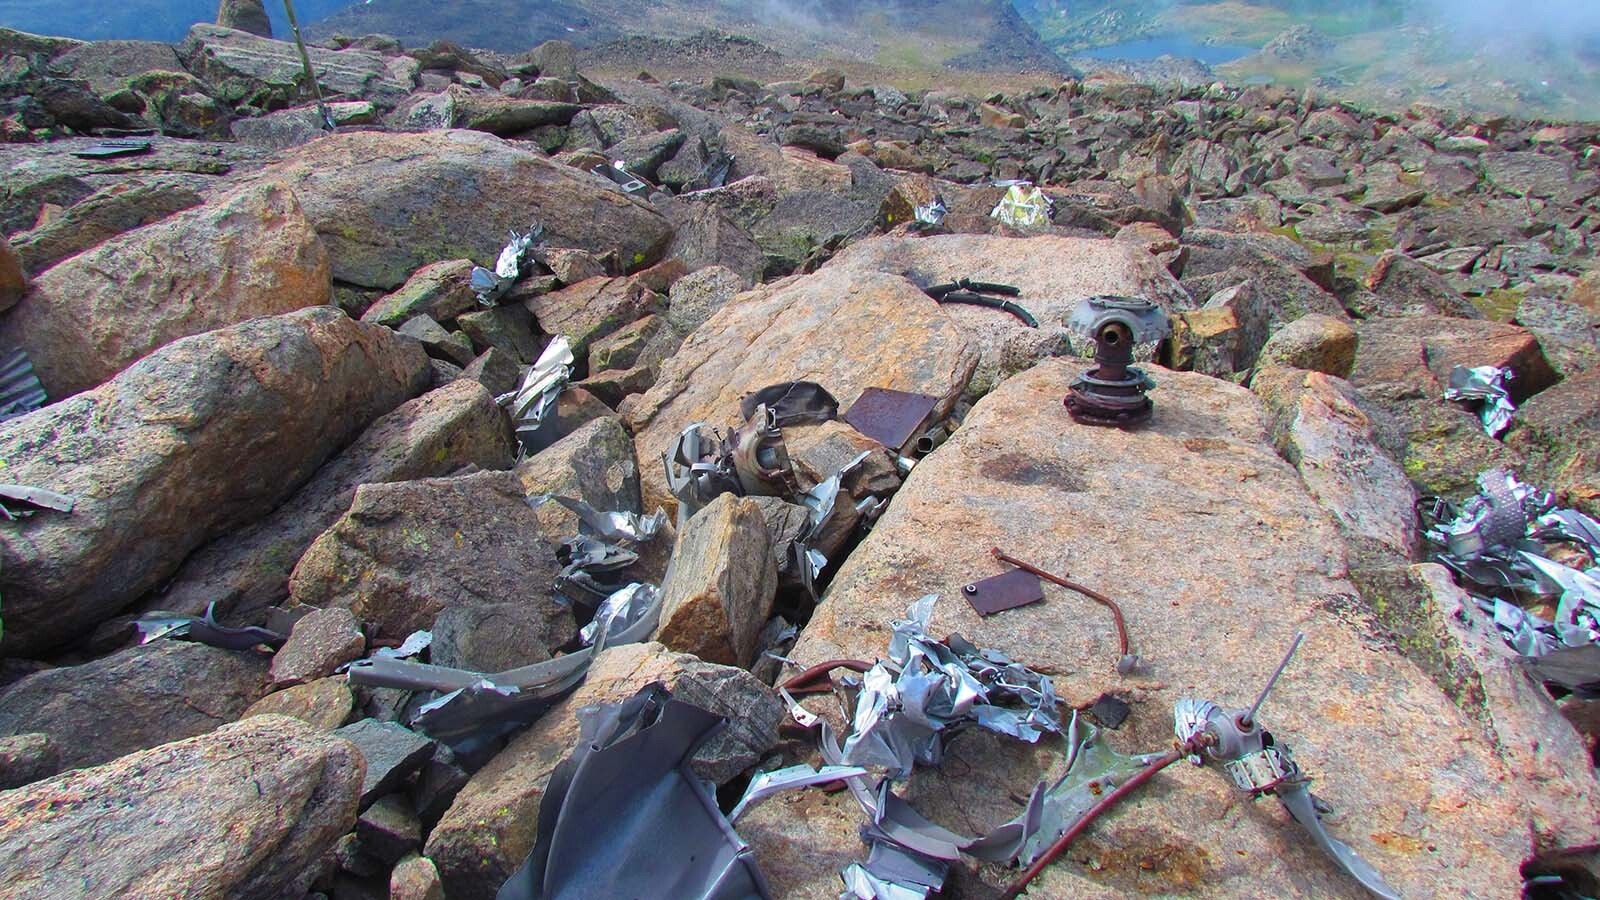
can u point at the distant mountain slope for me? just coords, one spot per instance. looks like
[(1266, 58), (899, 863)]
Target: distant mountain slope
[(150, 20), (968, 33)]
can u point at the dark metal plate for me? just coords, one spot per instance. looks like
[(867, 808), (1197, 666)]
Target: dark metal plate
[(1110, 710), (892, 418), (108, 149), (1002, 592)]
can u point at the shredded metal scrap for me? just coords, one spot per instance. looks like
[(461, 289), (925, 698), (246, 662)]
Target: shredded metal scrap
[(1498, 541), (927, 686), (1488, 385), (475, 704), (624, 816), (534, 401), (512, 265), (205, 630)]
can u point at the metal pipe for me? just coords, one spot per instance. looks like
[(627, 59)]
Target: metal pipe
[(1092, 594), (305, 60), (1250, 716)]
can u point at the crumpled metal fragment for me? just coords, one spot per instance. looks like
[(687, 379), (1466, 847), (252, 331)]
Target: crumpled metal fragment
[(624, 816), (205, 630), (25, 501), (512, 264), (1577, 669), (597, 549), (1258, 764), (701, 465), (1497, 544), (475, 705), (21, 392), (1486, 384), (930, 214), (767, 784), (413, 645), (621, 611), (1498, 515), (533, 402), (610, 525), (1023, 206), (926, 686)]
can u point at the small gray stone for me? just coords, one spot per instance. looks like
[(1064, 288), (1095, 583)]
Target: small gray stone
[(389, 829), (441, 778), (510, 328), (496, 369), (450, 346), (392, 753)]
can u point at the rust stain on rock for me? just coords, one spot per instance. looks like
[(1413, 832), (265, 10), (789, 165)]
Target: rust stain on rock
[(1020, 468), (1146, 861)]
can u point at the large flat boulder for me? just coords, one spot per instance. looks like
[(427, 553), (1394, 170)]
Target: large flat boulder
[(847, 330), (1054, 273), (1218, 557), (249, 253), (387, 204), (132, 700), (203, 436), (248, 570), (495, 819), (246, 811), (244, 69)]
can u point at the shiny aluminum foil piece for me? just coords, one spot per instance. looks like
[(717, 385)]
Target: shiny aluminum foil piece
[(931, 214), (413, 645), (611, 525), (542, 383), (489, 285), (1497, 516), (1024, 206), (768, 784), (926, 686), (621, 611), (1486, 384), (474, 705)]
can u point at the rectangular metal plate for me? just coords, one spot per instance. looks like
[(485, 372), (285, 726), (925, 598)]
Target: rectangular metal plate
[(107, 149), (1002, 592), (892, 418)]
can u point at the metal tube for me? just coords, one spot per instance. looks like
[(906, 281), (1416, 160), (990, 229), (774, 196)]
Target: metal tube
[(1250, 716), (1092, 594), (305, 60)]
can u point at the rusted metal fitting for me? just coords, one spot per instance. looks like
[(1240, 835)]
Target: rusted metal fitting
[(1113, 393)]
